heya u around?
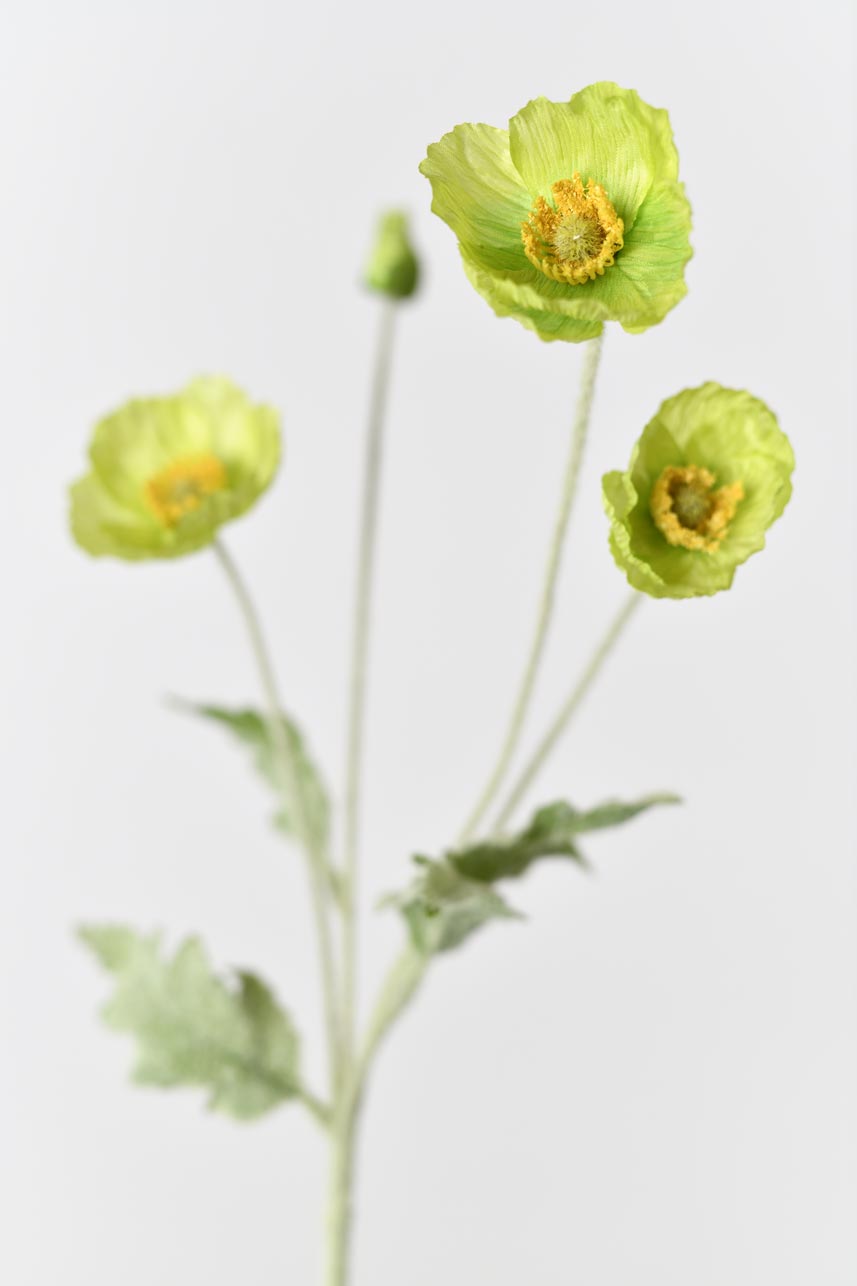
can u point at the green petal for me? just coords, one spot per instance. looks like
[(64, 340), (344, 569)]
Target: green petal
[(245, 436), (479, 193), (101, 525), (523, 301), (127, 448), (747, 446), (605, 133), (646, 281), (620, 503), (737, 437)]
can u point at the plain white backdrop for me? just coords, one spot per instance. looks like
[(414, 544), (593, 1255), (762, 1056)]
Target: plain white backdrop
[(652, 1083)]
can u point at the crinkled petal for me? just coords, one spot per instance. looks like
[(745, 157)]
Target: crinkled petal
[(646, 281), (648, 561), (101, 525), (133, 444), (525, 303), (604, 133), (478, 192), (243, 434)]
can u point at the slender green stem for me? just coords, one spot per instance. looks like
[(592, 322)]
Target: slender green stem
[(568, 708), (397, 991), (316, 1107), (359, 658), (340, 1203), (546, 602), (399, 987), (291, 788), (349, 1097)]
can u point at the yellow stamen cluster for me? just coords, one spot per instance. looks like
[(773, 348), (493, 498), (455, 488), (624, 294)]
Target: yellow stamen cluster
[(182, 486), (689, 512), (577, 237)]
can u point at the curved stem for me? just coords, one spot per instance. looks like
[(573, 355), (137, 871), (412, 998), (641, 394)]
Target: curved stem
[(567, 710), (545, 611), (400, 985), (291, 789), (359, 656)]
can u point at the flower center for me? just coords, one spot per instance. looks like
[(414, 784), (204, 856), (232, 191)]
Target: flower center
[(182, 486), (577, 237), (689, 512)]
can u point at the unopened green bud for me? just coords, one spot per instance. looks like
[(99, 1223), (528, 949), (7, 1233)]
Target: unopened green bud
[(392, 268)]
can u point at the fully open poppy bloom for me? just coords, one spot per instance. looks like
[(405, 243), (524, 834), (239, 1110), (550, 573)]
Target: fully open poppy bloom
[(708, 476), (168, 471), (573, 217)]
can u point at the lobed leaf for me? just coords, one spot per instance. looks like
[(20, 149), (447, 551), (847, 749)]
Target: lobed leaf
[(253, 729), (552, 832), (194, 1029), (453, 897)]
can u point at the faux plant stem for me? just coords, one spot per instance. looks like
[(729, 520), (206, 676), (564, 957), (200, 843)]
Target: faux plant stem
[(359, 655), (568, 709), (293, 796), (545, 611), (339, 1211), (398, 989)]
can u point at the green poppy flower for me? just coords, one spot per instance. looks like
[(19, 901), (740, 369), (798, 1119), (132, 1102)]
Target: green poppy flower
[(168, 471), (708, 476), (573, 217)]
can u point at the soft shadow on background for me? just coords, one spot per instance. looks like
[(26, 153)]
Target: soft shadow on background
[(652, 1083)]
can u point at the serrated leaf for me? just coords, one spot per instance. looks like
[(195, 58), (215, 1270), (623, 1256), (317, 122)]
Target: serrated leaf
[(254, 731), (194, 1029), (552, 832), (613, 812), (442, 907)]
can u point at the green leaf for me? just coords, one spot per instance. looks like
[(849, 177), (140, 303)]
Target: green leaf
[(253, 729), (194, 1029), (552, 832), (442, 907), (450, 899), (613, 812)]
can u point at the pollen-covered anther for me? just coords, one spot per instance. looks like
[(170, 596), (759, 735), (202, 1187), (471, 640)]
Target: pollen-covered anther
[(687, 510), (183, 485), (578, 237)]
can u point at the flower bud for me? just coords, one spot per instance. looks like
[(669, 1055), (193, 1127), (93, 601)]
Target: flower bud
[(392, 268)]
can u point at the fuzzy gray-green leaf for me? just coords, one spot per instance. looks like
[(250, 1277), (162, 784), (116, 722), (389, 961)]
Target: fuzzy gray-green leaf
[(254, 730), (194, 1029), (442, 907), (552, 832)]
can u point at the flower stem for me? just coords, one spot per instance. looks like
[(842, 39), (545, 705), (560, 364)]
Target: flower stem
[(359, 657), (340, 1209), (291, 788), (398, 989), (349, 1094), (578, 438), (568, 708)]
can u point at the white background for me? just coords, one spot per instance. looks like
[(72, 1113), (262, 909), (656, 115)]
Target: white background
[(652, 1083)]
